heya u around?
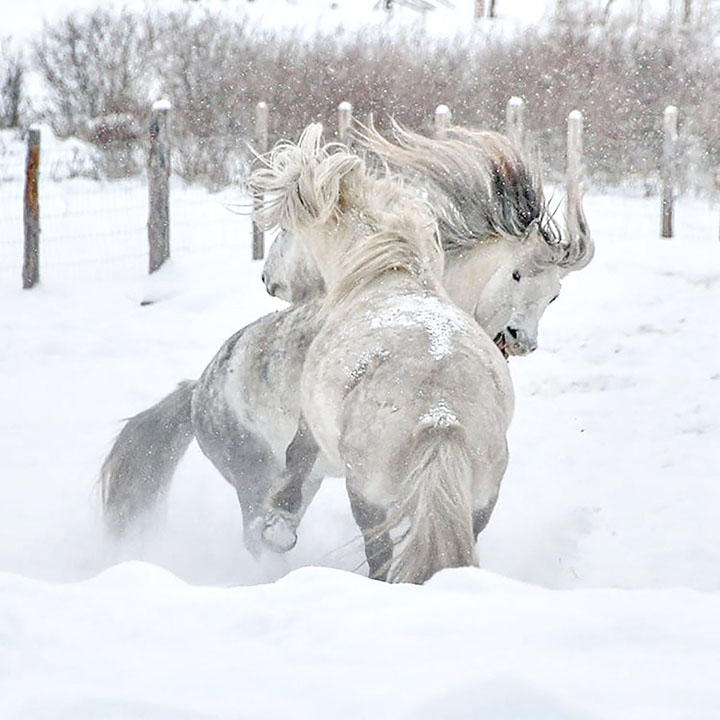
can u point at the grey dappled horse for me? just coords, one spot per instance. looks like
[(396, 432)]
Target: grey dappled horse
[(244, 409)]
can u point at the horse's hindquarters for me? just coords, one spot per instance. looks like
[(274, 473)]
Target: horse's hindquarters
[(380, 371)]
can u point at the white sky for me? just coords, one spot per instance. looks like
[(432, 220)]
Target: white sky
[(26, 17)]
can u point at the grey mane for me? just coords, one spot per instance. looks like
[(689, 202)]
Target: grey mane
[(478, 182)]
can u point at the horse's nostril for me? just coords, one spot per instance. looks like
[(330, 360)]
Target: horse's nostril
[(513, 332), (262, 277)]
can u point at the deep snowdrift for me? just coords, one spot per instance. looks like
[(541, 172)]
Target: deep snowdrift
[(136, 642)]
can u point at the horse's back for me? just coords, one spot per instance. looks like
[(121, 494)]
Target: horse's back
[(395, 361)]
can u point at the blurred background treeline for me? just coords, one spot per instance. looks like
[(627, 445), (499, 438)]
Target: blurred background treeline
[(92, 75)]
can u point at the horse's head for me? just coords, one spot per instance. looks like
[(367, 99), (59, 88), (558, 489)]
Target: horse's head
[(290, 273), (508, 284), (522, 283), (504, 255)]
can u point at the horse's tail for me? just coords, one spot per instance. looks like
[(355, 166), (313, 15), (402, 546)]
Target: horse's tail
[(144, 456), (436, 502)]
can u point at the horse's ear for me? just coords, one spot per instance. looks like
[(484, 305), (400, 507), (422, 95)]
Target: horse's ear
[(350, 182), (531, 230), (333, 184)]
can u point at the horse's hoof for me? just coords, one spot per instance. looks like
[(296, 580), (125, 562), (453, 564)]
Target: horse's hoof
[(253, 539), (279, 531)]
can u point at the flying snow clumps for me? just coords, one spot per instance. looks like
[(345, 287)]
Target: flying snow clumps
[(163, 104)]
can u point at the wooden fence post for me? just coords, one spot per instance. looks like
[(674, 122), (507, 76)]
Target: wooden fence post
[(443, 117), (31, 212), (345, 110), (261, 146), (159, 186), (687, 11), (479, 9), (574, 172), (717, 187), (670, 136), (514, 120)]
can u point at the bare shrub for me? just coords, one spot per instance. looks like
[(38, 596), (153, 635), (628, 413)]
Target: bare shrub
[(204, 62), (621, 76), (97, 67), (12, 76)]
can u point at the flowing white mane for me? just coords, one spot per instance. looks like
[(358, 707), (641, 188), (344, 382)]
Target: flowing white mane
[(326, 195)]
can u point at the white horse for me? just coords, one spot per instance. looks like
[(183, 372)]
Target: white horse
[(492, 217), (400, 387), (244, 409)]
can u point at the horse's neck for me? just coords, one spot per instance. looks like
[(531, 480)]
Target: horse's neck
[(387, 269), (327, 250), (374, 293), (469, 270)]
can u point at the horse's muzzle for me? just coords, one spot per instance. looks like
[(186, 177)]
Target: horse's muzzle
[(515, 342), (499, 340)]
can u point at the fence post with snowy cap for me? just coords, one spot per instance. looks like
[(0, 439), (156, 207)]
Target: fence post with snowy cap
[(31, 212), (345, 110), (443, 117), (159, 186), (574, 172), (261, 146), (670, 137), (514, 121)]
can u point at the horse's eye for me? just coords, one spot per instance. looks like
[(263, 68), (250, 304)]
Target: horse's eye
[(516, 276), (553, 300)]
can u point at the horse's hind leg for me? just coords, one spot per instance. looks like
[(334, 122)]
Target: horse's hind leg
[(481, 515), (480, 518), (286, 506), (247, 462), (378, 545)]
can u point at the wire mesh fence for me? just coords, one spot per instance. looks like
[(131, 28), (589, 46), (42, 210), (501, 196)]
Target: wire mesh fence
[(90, 228)]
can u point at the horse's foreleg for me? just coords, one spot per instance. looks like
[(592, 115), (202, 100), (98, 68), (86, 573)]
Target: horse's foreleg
[(378, 545), (300, 458), (281, 521)]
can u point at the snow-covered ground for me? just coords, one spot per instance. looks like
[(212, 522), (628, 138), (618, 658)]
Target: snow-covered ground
[(600, 590)]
